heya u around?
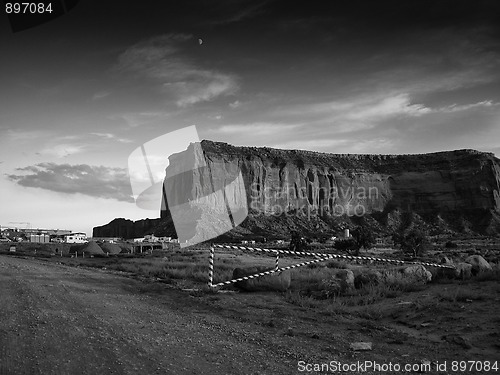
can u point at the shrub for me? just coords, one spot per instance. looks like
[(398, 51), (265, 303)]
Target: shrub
[(450, 245), (414, 242), (362, 237), (297, 242)]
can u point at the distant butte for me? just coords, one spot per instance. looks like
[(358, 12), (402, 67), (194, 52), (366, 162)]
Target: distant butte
[(445, 192)]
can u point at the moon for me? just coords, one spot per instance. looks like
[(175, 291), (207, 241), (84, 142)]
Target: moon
[(200, 41)]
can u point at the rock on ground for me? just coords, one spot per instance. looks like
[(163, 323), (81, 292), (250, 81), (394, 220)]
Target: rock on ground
[(463, 271), (446, 260), (479, 264)]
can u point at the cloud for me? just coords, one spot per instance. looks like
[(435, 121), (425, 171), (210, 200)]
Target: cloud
[(235, 104), (16, 135), (258, 128), (311, 144), (135, 119), (360, 108), (357, 113), (63, 150), (247, 12), (109, 136), (465, 107), (160, 59), (100, 95), (343, 145), (387, 107), (95, 181)]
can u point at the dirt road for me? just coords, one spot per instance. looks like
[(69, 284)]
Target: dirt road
[(56, 319)]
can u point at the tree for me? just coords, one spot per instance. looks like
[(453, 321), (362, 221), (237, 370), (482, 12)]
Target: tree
[(414, 242), (347, 244), (362, 237), (297, 243)]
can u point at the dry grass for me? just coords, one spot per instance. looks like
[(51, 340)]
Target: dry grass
[(461, 295)]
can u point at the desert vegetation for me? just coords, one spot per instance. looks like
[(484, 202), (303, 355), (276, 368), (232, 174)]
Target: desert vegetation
[(331, 280), (381, 302)]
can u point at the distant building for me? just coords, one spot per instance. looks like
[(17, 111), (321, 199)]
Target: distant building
[(78, 237), (107, 239), (164, 239), (39, 238), (150, 238), (139, 239)]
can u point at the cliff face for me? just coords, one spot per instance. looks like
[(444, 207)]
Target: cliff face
[(277, 183), (125, 228), (281, 190)]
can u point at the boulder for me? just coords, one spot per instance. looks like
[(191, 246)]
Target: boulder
[(279, 281), (446, 260), (463, 271), (479, 264), (419, 272), (443, 273), (368, 277)]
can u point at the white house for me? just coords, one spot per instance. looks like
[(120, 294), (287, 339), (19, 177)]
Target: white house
[(164, 239), (150, 238), (78, 237)]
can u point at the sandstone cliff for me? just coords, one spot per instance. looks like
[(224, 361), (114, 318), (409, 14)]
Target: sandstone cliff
[(322, 193), (461, 188), (125, 228)]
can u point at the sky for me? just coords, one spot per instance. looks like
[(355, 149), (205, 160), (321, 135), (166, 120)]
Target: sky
[(80, 93)]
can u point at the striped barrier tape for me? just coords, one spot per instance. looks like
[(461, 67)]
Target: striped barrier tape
[(322, 257), (265, 273), (329, 256)]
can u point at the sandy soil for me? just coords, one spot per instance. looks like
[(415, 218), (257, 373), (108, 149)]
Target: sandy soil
[(56, 319)]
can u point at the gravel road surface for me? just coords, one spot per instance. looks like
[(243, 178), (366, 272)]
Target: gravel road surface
[(56, 319)]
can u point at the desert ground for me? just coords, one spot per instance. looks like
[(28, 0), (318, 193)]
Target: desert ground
[(154, 314)]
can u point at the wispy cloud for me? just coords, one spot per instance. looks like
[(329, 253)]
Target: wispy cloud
[(95, 181), (259, 128), (100, 95), (254, 9), (161, 60), (466, 107), (63, 150), (311, 144), (135, 119), (352, 114), (20, 135), (235, 104), (337, 145), (112, 137)]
